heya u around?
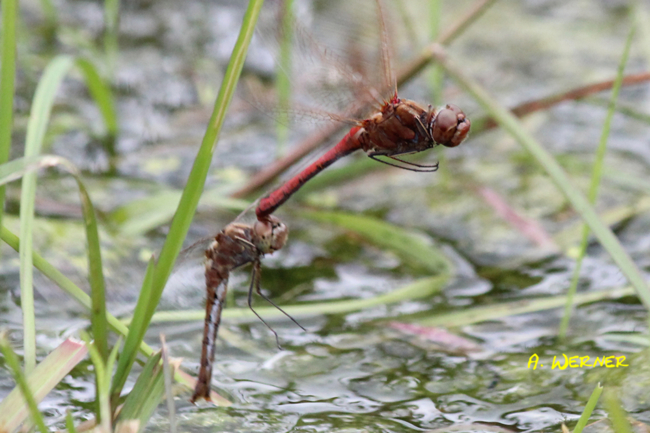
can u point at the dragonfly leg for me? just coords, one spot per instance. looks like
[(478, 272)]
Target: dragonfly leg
[(267, 299), (257, 270), (422, 169), (433, 167), (255, 283)]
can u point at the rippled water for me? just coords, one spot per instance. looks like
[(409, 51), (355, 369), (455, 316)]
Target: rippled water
[(354, 372)]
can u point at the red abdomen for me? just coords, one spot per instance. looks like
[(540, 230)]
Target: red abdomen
[(275, 199)]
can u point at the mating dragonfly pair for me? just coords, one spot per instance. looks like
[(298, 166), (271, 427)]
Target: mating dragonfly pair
[(399, 127)]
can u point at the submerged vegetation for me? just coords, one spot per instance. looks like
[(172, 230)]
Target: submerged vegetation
[(425, 296)]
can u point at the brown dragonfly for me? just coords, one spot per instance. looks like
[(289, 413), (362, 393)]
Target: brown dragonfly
[(235, 246)]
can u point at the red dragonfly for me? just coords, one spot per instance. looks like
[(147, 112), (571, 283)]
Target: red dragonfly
[(236, 245), (397, 127), (400, 127)]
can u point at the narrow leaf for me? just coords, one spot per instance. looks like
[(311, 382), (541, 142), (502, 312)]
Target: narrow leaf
[(39, 117), (146, 393), (25, 167), (419, 289), (589, 408), (134, 337), (101, 93), (196, 180), (595, 183), (617, 415), (499, 311), (414, 248), (7, 83), (102, 379), (41, 381), (140, 216)]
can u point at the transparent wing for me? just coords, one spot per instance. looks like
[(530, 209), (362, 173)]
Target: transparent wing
[(185, 288), (336, 64)]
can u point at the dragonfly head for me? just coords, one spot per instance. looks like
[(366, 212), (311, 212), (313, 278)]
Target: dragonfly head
[(271, 234), (449, 126)]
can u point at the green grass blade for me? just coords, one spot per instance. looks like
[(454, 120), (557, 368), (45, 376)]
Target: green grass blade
[(436, 76), (419, 289), (627, 110), (437, 83), (101, 93), (14, 365), (99, 324), (283, 74), (110, 364), (50, 14), (628, 181), (413, 248), (505, 309), (7, 83), (569, 238), (140, 216), (642, 22), (196, 180), (589, 408), (36, 128), (111, 32), (24, 167), (38, 119), (69, 423), (47, 374), (146, 393), (595, 182), (616, 413), (579, 202), (637, 339), (134, 338), (102, 378)]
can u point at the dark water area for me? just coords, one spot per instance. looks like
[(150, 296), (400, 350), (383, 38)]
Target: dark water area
[(355, 371)]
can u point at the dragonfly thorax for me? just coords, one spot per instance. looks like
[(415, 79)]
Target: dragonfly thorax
[(403, 126)]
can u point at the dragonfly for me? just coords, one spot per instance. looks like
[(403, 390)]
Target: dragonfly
[(238, 244), (400, 127), (396, 127)]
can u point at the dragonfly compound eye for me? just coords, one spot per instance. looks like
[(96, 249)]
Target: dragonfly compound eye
[(271, 234), (279, 236), (450, 126)]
